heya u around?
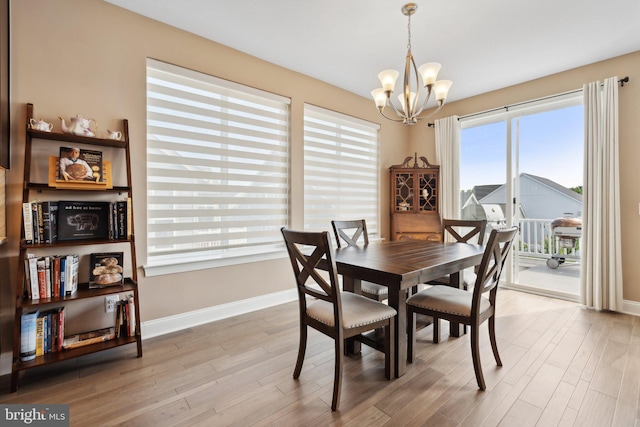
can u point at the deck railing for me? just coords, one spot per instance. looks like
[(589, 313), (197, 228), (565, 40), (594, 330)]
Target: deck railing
[(536, 240)]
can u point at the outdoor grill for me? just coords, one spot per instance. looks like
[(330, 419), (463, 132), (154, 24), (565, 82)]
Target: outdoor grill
[(568, 231)]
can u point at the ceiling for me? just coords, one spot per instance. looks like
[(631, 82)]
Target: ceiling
[(482, 45)]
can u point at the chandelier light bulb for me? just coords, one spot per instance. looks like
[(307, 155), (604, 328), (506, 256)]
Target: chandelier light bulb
[(380, 97), (442, 89), (388, 79), (412, 98), (429, 72)]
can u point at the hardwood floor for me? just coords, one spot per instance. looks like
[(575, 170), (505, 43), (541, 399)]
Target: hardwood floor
[(563, 365)]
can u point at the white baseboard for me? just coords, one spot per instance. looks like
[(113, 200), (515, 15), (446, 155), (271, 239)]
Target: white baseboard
[(165, 325), (631, 307)]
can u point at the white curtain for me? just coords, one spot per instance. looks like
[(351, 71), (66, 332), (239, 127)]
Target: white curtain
[(448, 157), (601, 278)]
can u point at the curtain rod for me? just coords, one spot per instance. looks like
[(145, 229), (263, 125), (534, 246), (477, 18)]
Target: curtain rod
[(622, 81)]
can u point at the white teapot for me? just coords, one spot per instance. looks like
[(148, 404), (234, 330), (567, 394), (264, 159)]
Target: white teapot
[(40, 125), (79, 126)]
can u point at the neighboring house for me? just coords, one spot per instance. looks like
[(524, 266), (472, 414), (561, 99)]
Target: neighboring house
[(540, 198)]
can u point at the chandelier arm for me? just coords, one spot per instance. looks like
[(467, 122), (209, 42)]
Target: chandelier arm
[(389, 118), (395, 109), (426, 100), (440, 105), (414, 111)]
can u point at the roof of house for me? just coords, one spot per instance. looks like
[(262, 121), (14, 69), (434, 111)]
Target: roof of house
[(554, 185), (481, 191)]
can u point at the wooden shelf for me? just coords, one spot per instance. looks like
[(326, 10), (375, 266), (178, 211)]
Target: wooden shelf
[(40, 187), (59, 356), (67, 137), (83, 292), (67, 243)]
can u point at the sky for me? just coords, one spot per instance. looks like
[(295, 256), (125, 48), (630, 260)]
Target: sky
[(551, 146)]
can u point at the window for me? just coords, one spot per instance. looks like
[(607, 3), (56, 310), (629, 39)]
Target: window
[(340, 169), (524, 166), (217, 170)]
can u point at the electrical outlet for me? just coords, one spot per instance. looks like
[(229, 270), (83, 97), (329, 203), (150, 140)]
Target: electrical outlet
[(110, 303)]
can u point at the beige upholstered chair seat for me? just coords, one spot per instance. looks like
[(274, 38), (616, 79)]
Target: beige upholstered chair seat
[(447, 300), (356, 311), (373, 288)]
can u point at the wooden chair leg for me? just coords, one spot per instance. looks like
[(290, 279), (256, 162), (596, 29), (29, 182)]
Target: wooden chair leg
[(411, 335), (302, 348), (475, 354), (337, 376), (389, 349), (436, 330), (492, 338)]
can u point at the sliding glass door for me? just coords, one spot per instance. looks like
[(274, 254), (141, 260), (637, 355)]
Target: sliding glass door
[(523, 167)]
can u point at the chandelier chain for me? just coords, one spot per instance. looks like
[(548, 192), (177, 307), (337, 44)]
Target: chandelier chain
[(409, 33)]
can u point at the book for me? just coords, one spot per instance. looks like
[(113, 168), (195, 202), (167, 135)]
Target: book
[(55, 275), (106, 269), (132, 316), (87, 338), (75, 164), (71, 276), (28, 323), (50, 222), (63, 274), (121, 220), (40, 223), (47, 276), (26, 285), (61, 318), (42, 283), (28, 223), (34, 221), (83, 220), (40, 326), (33, 276)]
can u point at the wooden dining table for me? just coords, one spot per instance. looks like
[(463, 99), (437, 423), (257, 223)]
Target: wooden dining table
[(399, 265)]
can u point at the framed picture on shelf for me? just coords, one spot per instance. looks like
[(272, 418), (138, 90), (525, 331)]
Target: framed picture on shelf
[(106, 269), (77, 164), (80, 220)]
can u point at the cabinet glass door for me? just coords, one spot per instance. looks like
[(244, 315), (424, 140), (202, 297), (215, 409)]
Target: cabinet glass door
[(404, 191)]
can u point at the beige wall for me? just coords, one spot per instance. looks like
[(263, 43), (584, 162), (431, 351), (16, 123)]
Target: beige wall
[(422, 140), (88, 57)]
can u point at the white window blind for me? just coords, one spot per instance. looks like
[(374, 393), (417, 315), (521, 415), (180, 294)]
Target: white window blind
[(340, 169), (217, 168)]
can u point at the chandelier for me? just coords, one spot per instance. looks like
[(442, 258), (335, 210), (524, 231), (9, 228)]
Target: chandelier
[(411, 102)]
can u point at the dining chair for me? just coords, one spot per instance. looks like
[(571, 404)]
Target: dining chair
[(462, 231), (468, 308), (339, 315), (350, 232)]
